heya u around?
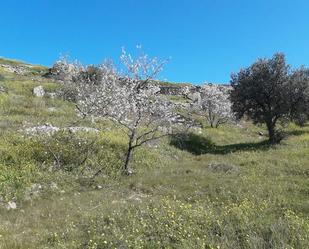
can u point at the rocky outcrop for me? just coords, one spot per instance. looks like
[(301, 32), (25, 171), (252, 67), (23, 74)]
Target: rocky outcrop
[(20, 68), (39, 91), (173, 90), (14, 69), (48, 129)]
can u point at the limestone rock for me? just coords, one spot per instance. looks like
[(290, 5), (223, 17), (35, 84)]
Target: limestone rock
[(39, 91), (11, 205), (82, 129), (42, 129)]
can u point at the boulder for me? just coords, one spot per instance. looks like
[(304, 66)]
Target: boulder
[(195, 97), (39, 91)]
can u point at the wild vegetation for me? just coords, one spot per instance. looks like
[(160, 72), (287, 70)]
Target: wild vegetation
[(61, 181)]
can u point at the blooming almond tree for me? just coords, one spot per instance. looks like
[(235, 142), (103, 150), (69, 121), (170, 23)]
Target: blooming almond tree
[(130, 99), (215, 105)]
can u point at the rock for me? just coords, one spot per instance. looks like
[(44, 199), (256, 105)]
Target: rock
[(49, 129), (52, 109), (14, 69), (239, 125), (42, 129), (137, 197), (54, 186), (195, 97), (172, 90), (222, 167), (82, 129), (33, 191), (39, 91), (51, 95), (2, 89), (11, 205)]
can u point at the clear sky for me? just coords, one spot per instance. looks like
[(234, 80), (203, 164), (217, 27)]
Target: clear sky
[(206, 39)]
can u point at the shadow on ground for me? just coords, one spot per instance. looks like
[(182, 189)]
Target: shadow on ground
[(198, 145), (297, 132)]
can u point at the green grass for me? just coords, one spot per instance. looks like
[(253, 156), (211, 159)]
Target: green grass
[(221, 188)]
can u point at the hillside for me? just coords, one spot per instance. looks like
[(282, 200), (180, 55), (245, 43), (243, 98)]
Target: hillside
[(216, 188)]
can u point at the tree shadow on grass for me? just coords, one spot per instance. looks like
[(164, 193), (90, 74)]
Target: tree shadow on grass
[(198, 145), (296, 132)]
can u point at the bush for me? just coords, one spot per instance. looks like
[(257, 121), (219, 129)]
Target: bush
[(64, 150), (68, 92)]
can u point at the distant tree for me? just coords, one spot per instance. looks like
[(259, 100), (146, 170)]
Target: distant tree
[(90, 74), (128, 98), (215, 105), (267, 92)]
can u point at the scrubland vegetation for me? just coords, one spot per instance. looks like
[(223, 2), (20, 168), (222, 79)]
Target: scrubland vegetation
[(203, 188)]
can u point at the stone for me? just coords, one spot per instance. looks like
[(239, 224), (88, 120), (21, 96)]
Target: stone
[(223, 168), (42, 129), (2, 89), (195, 97), (54, 186), (11, 205), (52, 95), (39, 91), (52, 109), (33, 191), (82, 129)]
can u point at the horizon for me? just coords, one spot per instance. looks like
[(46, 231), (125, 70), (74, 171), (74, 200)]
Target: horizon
[(206, 41)]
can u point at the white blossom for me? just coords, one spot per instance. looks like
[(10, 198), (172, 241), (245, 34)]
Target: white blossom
[(129, 98), (215, 104)]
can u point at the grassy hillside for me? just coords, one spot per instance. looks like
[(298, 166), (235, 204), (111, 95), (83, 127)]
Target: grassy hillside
[(218, 188)]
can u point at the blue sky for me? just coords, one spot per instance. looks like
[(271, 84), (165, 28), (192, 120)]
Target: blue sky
[(206, 39)]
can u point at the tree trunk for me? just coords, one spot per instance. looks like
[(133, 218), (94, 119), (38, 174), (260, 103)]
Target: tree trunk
[(126, 168), (129, 155), (271, 132)]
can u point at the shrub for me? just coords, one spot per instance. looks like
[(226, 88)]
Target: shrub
[(65, 150)]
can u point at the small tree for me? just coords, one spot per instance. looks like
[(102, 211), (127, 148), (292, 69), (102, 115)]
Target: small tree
[(129, 99), (264, 92), (215, 105)]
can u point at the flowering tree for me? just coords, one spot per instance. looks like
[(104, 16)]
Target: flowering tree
[(215, 105), (129, 98)]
